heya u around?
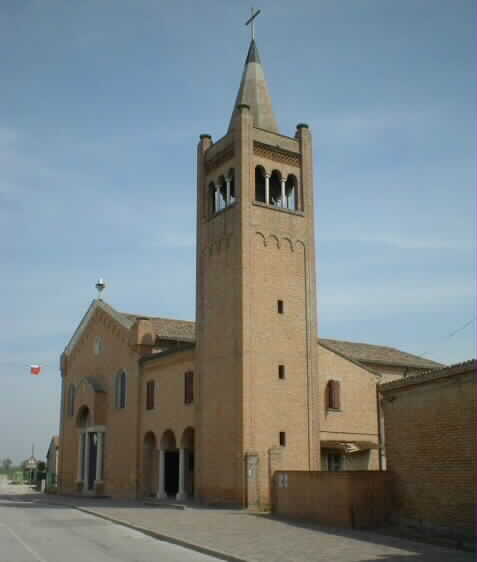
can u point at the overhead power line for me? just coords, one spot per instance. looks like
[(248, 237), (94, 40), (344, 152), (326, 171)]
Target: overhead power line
[(451, 334)]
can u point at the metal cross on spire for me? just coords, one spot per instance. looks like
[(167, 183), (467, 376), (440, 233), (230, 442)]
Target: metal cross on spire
[(251, 21)]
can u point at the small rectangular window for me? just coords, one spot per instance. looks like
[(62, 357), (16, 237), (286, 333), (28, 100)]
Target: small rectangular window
[(280, 307), (188, 387), (150, 395), (283, 439), (281, 371)]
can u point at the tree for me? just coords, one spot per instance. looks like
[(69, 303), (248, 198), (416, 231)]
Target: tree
[(7, 464)]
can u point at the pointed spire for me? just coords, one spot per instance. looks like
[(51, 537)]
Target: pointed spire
[(252, 55), (253, 92)]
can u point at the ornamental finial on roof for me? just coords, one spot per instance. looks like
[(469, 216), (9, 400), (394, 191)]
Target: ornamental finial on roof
[(251, 21), (100, 286)]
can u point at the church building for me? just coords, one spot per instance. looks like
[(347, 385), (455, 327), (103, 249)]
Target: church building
[(210, 410)]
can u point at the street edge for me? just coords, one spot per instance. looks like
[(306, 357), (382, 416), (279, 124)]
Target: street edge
[(166, 538)]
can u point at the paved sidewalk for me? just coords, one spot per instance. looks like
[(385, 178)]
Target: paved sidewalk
[(260, 538)]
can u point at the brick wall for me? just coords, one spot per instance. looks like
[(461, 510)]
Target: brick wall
[(430, 440), (358, 499)]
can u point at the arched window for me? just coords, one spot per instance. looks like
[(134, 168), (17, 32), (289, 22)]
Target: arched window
[(121, 389), (212, 199), (150, 392), (71, 400), (221, 194), (230, 178), (260, 185), (291, 192), (333, 399), (276, 189)]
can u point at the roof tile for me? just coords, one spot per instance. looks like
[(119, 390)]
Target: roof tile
[(378, 354)]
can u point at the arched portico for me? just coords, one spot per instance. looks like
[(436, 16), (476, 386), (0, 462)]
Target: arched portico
[(150, 478), (176, 465)]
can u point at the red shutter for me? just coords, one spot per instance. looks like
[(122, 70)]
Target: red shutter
[(332, 395), (188, 387), (337, 395), (150, 395)]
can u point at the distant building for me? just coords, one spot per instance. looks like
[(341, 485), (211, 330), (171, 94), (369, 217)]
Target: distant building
[(30, 467)]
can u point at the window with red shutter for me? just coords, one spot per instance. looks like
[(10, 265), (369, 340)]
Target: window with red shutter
[(150, 395), (332, 395), (336, 395)]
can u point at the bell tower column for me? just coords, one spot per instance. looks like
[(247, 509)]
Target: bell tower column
[(256, 333)]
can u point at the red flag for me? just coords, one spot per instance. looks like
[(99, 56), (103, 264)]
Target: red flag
[(35, 369)]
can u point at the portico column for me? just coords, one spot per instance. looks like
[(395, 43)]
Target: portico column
[(86, 461), (99, 456), (267, 189), (181, 494), (81, 450), (227, 181), (161, 492), (284, 199), (217, 199)]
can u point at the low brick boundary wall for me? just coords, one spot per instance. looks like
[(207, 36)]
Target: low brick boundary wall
[(353, 499)]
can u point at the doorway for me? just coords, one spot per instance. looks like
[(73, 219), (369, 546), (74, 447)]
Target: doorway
[(149, 472), (171, 476), (92, 456)]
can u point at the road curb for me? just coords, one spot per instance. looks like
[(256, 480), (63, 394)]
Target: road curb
[(166, 538)]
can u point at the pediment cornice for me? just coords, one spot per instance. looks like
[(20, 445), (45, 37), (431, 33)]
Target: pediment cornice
[(96, 305)]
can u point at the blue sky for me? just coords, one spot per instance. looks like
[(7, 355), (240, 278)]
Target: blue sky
[(102, 106)]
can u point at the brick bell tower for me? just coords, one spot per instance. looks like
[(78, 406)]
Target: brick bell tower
[(256, 302)]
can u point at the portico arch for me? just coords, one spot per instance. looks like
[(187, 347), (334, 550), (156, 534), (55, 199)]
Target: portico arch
[(90, 451), (186, 464), (83, 417), (150, 478), (168, 466)]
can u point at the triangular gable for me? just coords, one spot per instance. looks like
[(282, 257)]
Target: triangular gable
[(96, 303)]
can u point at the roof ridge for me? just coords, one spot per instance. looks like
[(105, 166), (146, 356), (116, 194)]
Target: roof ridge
[(368, 344), (444, 367), (156, 317), (379, 354)]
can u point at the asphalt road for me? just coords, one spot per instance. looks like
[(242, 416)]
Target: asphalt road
[(30, 532)]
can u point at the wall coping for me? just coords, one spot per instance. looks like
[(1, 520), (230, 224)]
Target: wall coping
[(430, 376)]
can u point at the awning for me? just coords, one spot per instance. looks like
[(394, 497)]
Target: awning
[(349, 447)]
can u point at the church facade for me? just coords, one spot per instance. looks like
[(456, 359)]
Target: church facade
[(209, 410)]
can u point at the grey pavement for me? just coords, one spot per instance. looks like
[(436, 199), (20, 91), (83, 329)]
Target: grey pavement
[(34, 532), (259, 538)]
